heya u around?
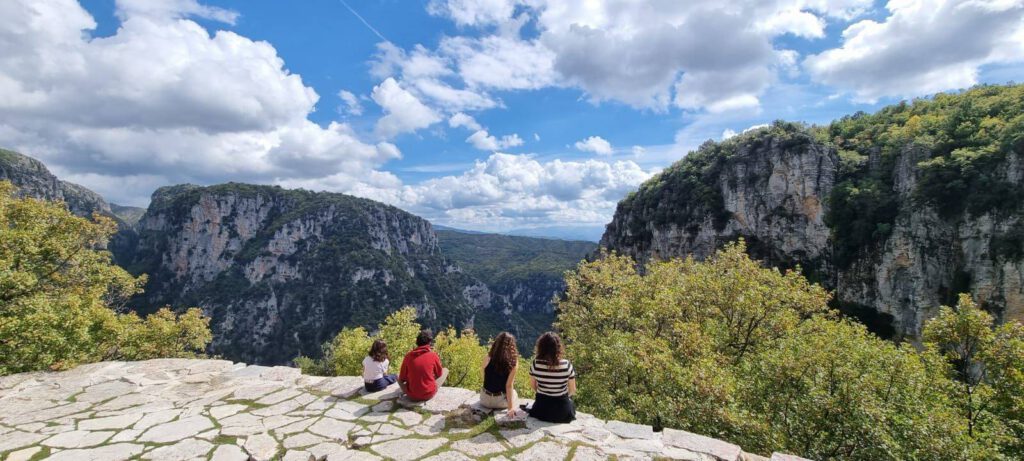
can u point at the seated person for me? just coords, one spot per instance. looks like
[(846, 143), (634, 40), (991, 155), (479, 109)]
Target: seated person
[(554, 380), (500, 374), (421, 374), (375, 368)]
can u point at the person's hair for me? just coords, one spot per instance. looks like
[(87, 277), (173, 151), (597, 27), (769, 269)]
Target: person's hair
[(379, 350), (549, 348), (503, 353), (424, 338)]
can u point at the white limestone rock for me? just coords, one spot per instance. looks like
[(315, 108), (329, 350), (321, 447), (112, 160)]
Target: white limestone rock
[(176, 430), (229, 453), (261, 447), (543, 451), (184, 450), (718, 449), (408, 449), (78, 439), (104, 453)]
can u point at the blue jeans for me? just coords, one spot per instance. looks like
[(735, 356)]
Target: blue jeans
[(381, 383)]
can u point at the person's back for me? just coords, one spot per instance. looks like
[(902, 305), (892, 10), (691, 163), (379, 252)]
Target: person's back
[(421, 374), (554, 380), (375, 368)]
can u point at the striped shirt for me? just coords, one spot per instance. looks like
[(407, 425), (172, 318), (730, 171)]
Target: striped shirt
[(552, 381)]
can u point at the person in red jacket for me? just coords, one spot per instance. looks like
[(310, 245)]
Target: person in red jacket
[(421, 373)]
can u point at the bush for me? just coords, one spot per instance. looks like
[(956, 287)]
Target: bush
[(733, 350), (58, 292), (462, 354)]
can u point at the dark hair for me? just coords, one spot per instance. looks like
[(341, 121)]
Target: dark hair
[(503, 353), (549, 348), (379, 351), (424, 338)]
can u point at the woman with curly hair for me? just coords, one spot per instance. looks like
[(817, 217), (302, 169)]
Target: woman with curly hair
[(375, 368), (554, 380), (500, 374)]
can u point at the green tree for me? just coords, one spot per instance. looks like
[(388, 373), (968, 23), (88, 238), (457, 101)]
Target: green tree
[(731, 349), (58, 292), (463, 356), (987, 364), (832, 391), (399, 330)]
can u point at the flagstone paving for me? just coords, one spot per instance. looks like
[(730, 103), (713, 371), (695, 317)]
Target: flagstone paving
[(177, 409)]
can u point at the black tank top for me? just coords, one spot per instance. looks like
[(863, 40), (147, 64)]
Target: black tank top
[(494, 380)]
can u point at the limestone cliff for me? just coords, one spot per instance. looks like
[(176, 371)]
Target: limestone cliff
[(894, 215), (33, 179), (281, 271)]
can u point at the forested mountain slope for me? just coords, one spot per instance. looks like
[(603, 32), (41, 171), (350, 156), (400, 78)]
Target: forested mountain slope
[(523, 275), (896, 211)]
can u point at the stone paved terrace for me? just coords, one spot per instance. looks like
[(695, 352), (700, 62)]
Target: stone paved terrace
[(176, 409)]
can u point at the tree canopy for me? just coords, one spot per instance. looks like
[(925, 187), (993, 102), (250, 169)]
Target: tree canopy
[(60, 295)]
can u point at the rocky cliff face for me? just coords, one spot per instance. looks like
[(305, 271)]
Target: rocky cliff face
[(280, 271), (776, 187), (33, 179)]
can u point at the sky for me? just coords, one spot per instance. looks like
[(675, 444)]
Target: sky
[(491, 115)]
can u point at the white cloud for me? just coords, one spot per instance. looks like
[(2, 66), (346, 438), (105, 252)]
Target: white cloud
[(473, 12), (923, 47), (728, 133), (161, 9), (465, 121), (638, 150), (403, 112), (645, 54), (536, 137), (480, 138), (352, 104), (595, 144), (506, 190), (162, 101)]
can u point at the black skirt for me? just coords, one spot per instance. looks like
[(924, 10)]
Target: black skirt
[(553, 409)]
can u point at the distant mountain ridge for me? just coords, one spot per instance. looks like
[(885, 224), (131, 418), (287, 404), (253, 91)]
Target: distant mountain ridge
[(281, 271), (523, 275)]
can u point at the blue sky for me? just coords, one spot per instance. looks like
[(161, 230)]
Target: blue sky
[(482, 114)]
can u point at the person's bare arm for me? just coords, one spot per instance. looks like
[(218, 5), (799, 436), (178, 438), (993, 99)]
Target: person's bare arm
[(533, 383), (510, 385), (572, 387)]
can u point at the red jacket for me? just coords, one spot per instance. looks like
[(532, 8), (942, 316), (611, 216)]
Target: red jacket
[(420, 370)]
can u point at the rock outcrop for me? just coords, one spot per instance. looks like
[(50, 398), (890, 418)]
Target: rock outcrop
[(33, 179), (280, 272), (774, 186), (171, 409)]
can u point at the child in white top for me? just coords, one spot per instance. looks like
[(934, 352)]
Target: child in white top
[(375, 368)]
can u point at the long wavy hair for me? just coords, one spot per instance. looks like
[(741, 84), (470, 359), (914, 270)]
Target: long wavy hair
[(379, 351), (549, 349), (504, 354)]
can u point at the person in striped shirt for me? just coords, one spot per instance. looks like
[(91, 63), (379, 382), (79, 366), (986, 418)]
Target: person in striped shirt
[(554, 380)]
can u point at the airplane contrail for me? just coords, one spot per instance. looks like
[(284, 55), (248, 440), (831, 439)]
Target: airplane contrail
[(368, 26)]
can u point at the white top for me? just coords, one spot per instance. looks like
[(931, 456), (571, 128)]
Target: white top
[(374, 370)]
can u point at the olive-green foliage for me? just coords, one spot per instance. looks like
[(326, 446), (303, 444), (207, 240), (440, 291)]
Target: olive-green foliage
[(730, 349), (987, 367), (959, 142), (58, 295), (462, 354)]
